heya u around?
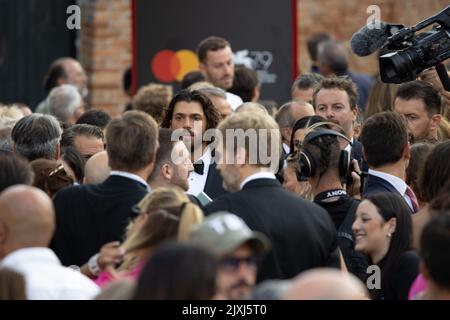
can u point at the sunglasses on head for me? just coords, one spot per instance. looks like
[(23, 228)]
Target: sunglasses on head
[(233, 263), (136, 211)]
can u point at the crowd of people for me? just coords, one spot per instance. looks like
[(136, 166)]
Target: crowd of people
[(164, 203)]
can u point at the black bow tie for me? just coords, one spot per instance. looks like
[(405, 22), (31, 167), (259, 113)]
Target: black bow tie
[(199, 167)]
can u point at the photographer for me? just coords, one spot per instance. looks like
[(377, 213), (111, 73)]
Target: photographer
[(325, 165)]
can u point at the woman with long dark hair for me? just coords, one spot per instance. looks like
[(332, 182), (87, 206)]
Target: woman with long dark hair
[(383, 231)]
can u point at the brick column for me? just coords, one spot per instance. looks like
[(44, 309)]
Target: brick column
[(104, 49)]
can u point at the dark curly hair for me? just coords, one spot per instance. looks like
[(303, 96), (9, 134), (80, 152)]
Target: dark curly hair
[(212, 115)]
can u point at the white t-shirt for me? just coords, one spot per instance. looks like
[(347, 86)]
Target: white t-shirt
[(46, 278)]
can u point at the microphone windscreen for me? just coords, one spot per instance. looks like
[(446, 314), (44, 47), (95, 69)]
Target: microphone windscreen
[(369, 39)]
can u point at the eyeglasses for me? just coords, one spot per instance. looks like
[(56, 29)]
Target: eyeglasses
[(232, 264)]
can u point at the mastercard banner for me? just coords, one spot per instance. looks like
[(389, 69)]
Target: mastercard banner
[(169, 66), (262, 34)]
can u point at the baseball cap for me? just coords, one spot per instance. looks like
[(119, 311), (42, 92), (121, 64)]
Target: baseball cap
[(223, 232)]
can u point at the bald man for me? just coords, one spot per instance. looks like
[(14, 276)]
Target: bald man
[(287, 116), (64, 70), (96, 169), (27, 223), (326, 284), (252, 107)]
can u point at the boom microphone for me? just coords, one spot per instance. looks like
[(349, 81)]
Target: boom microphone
[(372, 37)]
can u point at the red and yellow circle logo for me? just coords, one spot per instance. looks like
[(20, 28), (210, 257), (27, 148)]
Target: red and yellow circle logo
[(168, 65)]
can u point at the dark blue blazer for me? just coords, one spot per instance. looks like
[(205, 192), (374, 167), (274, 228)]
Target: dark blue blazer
[(375, 184)]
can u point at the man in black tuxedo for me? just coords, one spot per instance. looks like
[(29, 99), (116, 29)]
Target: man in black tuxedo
[(88, 216), (193, 113), (172, 165), (302, 234), (385, 143)]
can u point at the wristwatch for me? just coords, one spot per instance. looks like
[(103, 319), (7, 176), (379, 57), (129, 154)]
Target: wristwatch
[(93, 265)]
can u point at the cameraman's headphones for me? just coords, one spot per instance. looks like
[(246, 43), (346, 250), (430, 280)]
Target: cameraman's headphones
[(307, 163)]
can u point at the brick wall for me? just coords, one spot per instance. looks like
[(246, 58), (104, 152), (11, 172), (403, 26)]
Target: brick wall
[(104, 49), (104, 42), (343, 18)]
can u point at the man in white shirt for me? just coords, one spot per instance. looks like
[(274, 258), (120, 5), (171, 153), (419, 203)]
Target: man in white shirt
[(190, 114), (27, 223), (216, 64)]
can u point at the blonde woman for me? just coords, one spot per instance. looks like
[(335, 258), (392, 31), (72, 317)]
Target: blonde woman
[(165, 214)]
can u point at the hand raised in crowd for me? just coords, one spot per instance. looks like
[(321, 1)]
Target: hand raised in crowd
[(110, 254), (431, 76), (446, 101), (354, 189)]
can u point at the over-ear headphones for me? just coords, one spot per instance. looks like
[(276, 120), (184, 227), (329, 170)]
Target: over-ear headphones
[(307, 163)]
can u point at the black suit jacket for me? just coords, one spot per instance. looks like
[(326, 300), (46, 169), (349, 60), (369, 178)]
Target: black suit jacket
[(214, 183), (88, 216), (302, 234)]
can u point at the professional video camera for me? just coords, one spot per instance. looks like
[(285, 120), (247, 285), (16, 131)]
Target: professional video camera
[(413, 53)]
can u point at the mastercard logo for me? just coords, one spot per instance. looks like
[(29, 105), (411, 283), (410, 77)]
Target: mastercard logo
[(168, 65)]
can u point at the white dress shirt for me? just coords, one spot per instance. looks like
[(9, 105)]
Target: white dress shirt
[(234, 100), (197, 182), (46, 278), (396, 182), (287, 149), (348, 147), (258, 175), (131, 176)]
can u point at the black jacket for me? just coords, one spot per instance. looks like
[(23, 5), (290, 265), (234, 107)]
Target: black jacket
[(214, 183), (400, 279), (342, 212), (88, 216), (301, 233)]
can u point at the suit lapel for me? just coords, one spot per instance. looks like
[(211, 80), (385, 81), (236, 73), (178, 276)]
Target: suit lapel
[(213, 186)]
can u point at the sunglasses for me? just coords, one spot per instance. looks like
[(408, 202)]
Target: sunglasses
[(233, 263)]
